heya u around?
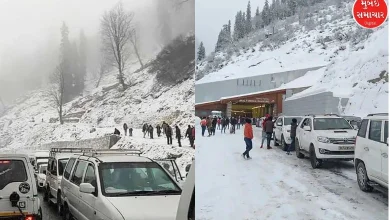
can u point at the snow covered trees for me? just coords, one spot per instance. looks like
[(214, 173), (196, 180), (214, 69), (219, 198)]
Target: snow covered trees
[(56, 92), (116, 30), (224, 38), (201, 52), (134, 42)]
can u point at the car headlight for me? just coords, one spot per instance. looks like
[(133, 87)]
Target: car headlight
[(323, 139)]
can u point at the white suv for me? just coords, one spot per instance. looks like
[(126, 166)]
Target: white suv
[(56, 165), (371, 152), (18, 190), (325, 137), (282, 130), (118, 184)]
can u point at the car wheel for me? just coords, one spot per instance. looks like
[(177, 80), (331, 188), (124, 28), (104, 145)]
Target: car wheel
[(275, 143), (315, 163), (362, 178), (59, 205), (298, 150), (67, 215), (46, 194)]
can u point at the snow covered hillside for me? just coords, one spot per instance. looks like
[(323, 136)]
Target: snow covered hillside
[(356, 59), (27, 122)]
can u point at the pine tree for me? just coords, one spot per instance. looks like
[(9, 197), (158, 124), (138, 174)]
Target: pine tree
[(243, 25), (292, 7), (66, 62), (201, 52), (237, 21), (82, 60), (265, 14), (230, 28), (224, 38), (248, 23), (258, 20)]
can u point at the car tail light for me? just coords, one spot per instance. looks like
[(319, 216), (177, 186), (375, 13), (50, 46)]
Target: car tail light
[(29, 218), (4, 161)]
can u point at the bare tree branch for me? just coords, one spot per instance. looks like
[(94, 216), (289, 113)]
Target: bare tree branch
[(134, 42), (116, 26), (56, 91)]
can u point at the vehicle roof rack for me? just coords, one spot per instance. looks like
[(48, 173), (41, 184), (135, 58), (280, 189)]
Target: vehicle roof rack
[(54, 151), (310, 115), (384, 114), (112, 152)]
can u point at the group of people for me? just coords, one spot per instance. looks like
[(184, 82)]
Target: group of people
[(267, 130), (164, 129), (213, 123)]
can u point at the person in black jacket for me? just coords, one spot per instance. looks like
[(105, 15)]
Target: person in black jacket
[(293, 134), (150, 131), (131, 132), (158, 130), (145, 129), (125, 128), (178, 135), (214, 125), (117, 132), (269, 129), (168, 133)]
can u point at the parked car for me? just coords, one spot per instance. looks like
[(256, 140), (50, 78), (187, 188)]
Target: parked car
[(118, 184), (325, 137), (186, 208), (55, 169), (371, 152), (40, 176), (282, 130), (18, 190)]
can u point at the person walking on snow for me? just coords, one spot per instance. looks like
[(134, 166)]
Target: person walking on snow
[(178, 135), (227, 122), (223, 122), (189, 134), (209, 125), (144, 129), (214, 125), (239, 122), (203, 124), (131, 132), (125, 128), (293, 134), (150, 131), (192, 138), (168, 133), (263, 133), (219, 123), (248, 136), (158, 128), (269, 129)]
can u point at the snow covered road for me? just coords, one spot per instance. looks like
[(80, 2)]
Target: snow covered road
[(274, 185)]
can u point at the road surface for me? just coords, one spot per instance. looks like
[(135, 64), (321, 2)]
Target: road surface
[(274, 185)]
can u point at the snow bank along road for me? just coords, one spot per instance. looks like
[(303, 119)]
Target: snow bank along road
[(274, 185)]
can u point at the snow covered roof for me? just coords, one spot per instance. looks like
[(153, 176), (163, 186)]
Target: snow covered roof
[(255, 93)]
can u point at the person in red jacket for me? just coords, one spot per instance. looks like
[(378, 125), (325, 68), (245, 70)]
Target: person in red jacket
[(248, 136)]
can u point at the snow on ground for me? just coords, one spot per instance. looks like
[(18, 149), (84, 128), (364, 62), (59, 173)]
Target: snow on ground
[(144, 102), (307, 80), (276, 186)]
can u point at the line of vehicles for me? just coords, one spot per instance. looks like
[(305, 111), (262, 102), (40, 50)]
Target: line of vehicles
[(103, 184), (332, 137)]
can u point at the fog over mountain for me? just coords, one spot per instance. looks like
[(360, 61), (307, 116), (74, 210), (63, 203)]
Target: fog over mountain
[(30, 38)]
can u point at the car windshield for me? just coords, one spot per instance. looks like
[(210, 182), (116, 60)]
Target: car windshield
[(136, 178), (12, 171), (287, 121), (61, 165), (331, 124)]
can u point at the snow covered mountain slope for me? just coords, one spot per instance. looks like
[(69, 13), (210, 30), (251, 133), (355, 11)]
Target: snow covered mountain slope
[(26, 123), (355, 59)]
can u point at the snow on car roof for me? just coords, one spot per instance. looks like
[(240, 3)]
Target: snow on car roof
[(122, 158)]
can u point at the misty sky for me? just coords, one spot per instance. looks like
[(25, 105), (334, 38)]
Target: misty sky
[(30, 36), (210, 15)]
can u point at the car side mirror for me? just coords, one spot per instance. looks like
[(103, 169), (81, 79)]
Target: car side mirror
[(307, 128), (87, 188), (279, 124)]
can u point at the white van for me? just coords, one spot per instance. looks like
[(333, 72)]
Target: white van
[(18, 190), (186, 208)]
